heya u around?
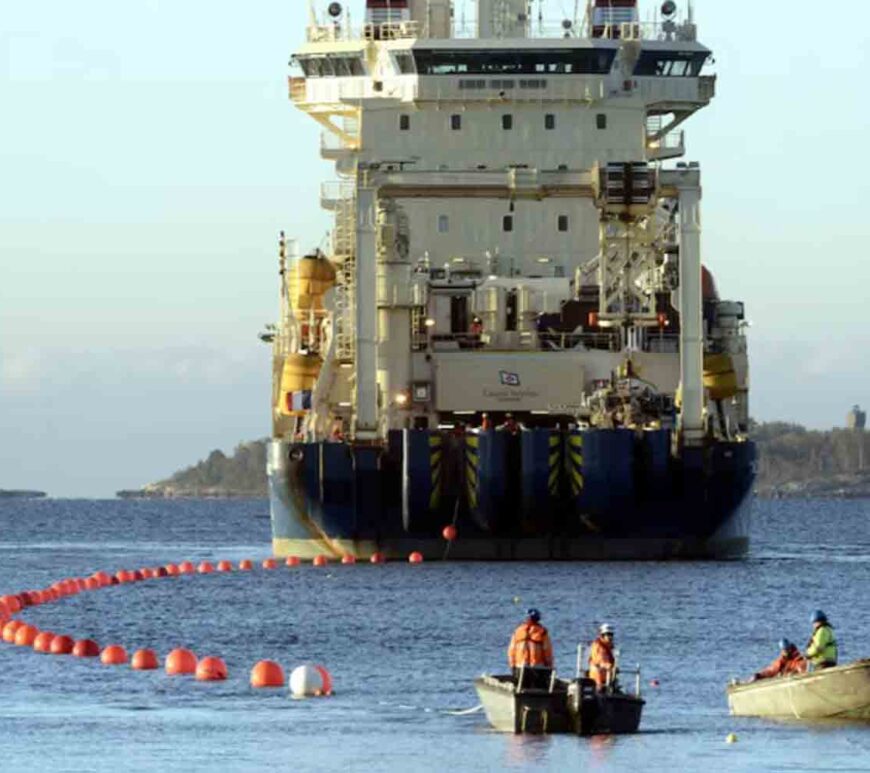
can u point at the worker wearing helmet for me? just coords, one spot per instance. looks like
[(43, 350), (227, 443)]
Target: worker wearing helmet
[(602, 662), (530, 652), (822, 647), (789, 662)]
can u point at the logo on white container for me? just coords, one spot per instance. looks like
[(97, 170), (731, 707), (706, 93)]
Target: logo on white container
[(509, 379)]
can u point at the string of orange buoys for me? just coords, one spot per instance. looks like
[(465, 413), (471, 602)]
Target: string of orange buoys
[(305, 680)]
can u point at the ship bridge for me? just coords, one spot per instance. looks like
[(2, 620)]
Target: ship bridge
[(501, 193)]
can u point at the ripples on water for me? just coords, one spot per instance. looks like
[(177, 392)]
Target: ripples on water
[(404, 642)]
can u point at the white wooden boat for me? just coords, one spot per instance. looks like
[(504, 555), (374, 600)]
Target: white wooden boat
[(832, 693)]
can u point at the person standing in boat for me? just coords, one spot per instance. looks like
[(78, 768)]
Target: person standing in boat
[(602, 661), (822, 648), (790, 661), (530, 652)]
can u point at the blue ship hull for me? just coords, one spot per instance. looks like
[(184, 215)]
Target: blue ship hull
[(536, 495)]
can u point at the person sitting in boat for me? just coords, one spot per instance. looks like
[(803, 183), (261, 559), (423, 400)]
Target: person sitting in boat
[(530, 652), (822, 647), (602, 662), (790, 661)]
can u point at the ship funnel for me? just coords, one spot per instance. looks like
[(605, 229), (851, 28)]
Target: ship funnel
[(387, 11), (434, 17), (608, 16), (502, 18)]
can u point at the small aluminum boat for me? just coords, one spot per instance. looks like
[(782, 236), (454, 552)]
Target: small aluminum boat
[(564, 706), (832, 693)]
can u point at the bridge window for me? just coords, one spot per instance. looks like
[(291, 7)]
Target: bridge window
[(326, 66), (404, 62), (443, 224), (563, 223), (590, 61), (507, 223), (404, 122), (601, 120), (549, 121), (685, 64), (507, 122), (456, 122)]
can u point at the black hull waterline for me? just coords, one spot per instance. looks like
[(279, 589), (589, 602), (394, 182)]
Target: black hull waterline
[(534, 495)]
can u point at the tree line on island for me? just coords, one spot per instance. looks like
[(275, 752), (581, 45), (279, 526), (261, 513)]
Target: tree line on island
[(793, 462)]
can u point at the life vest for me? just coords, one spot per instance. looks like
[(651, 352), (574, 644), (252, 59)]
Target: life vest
[(823, 646), (601, 661), (530, 646)]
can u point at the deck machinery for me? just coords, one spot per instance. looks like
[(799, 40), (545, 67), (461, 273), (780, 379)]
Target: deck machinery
[(511, 331)]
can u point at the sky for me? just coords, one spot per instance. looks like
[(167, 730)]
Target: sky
[(149, 157)]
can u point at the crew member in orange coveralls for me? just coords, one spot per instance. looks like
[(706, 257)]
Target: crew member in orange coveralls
[(530, 652), (790, 661), (602, 663)]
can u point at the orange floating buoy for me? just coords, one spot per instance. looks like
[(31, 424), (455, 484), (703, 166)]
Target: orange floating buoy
[(138, 575), (449, 533), (103, 578), (80, 583), (180, 661), (92, 583), (113, 655), (160, 571), (172, 570), (86, 648), (378, 558), (148, 573), (12, 604), (416, 557), (42, 642), (4, 612), (225, 566), (61, 645), (327, 680), (205, 567), (25, 635), (144, 660), (124, 576), (246, 565), (292, 561), (320, 560), (347, 558), (186, 567), (269, 563), (9, 630), (211, 669), (26, 599), (267, 673)]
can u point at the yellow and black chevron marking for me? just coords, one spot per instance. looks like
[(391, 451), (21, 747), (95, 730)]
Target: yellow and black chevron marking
[(435, 470), (472, 464), (555, 456), (575, 463)]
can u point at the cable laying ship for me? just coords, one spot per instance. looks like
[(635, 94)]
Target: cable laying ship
[(512, 332)]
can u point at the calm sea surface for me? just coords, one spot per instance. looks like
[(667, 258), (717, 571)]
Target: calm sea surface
[(404, 643)]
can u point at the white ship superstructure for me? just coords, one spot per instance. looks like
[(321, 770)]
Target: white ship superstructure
[(515, 236)]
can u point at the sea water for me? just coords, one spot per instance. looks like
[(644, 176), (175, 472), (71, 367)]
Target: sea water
[(404, 644)]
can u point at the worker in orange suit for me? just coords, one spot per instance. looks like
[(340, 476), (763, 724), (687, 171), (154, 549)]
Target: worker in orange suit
[(602, 662), (530, 652), (789, 662)]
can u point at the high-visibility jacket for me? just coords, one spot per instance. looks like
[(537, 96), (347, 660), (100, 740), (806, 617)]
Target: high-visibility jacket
[(792, 662), (601, 661), (823, 646), (530, 646)]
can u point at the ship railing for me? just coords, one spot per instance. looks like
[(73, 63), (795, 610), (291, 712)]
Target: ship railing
[(547, 28), (333, 33)]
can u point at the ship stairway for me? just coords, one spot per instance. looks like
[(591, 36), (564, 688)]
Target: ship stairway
[(344, 256)]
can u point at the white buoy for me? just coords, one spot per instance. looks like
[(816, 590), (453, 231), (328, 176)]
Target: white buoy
[(307, 681)]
